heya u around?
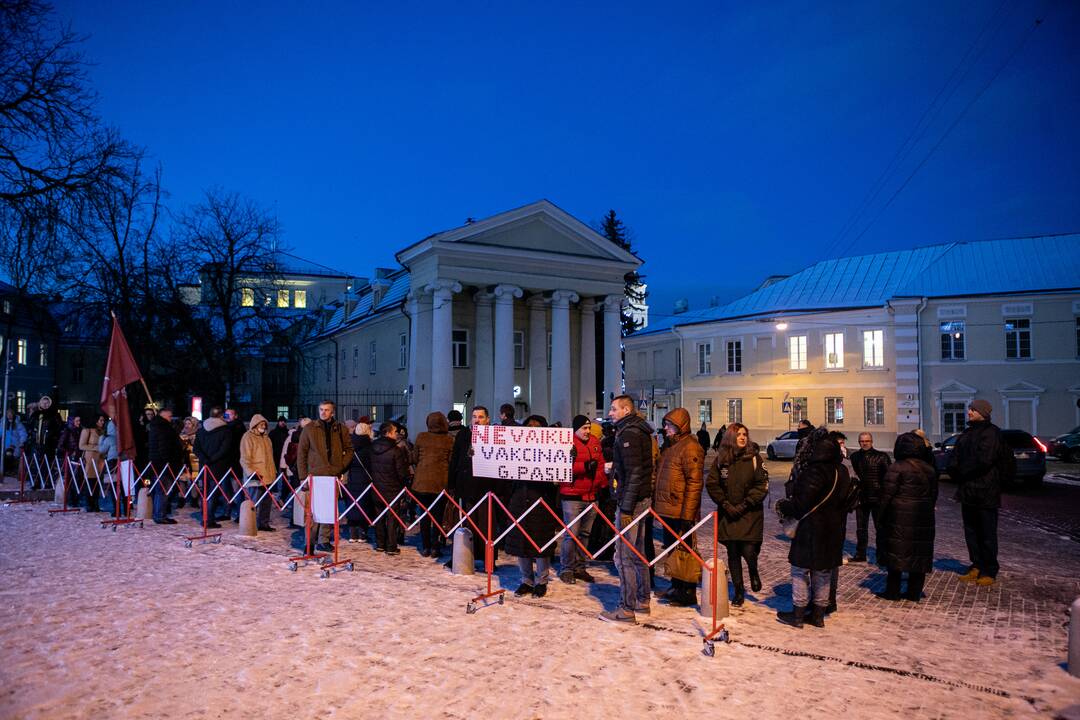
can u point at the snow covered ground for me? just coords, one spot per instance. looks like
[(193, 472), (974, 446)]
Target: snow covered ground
[(131, 624)]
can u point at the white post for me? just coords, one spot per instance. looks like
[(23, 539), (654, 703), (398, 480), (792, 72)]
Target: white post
[(560, 355), (612, 348), (483, 384), (442, 325), (538, 370), (587, 361), (504, 345)]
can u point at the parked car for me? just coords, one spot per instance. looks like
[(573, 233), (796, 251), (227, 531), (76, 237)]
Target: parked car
[(783, 447), (1029, 451), (1067, 446)]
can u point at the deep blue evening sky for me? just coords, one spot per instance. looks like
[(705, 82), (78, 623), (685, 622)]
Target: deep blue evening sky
[(735, 140)]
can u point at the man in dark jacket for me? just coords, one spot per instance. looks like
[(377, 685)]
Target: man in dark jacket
[(870, 466), (818, 499), (506, 414), (214, 448), (165, 452), (978, 464), (389, 473), (632, 467), (43, 437), (236, 478), (703, 438), (454, 418), (278, 436)]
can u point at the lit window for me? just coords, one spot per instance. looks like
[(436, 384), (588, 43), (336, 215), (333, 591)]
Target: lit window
[(403, 351), (875, 411), (20, 401), (283, 411), (705, 410), (952, 340), (797, 352), (734, 410), (873, 343), (834, 351), (1018, 338), (461, 348), (20, 351), (834, 411), (519, 349), (283, 298), (704, 359), (734, 356), (247, 297), (300, 298), (798, 409), (43, 355), (371, 357), (7, 307)]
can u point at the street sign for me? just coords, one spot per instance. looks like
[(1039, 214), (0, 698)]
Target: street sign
[(787, 407)]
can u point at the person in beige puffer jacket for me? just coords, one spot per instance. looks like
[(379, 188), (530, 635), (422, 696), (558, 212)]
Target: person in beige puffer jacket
[(257, 460), (677, 499)]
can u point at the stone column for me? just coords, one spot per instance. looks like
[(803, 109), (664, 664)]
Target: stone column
[(612, 348), (504, 346), (484, 382), (442, 326), (538, 370), (587, 361), (560, 356), (419, 353)]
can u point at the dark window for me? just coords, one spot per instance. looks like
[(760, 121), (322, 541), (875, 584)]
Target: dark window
[(1018, 338), (952, 340)]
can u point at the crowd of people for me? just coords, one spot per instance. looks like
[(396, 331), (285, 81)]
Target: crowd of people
[(622, 466)]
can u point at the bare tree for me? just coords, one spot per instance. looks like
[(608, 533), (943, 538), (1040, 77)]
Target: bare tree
[(233, 239)]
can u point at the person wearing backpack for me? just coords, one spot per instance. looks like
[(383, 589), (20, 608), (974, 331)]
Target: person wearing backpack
[(738, 483), (980, 463)]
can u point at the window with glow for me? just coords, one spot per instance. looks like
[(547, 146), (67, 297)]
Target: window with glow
[(873, 342), (952, 340), (875, 411), (734, 410), (705, 410), (704, 359), (797, 352), (247, 297), (300, 298), (834, 410), (834, 351), (283, 298)]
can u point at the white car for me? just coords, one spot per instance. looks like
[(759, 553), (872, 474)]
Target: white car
[(783, 447)]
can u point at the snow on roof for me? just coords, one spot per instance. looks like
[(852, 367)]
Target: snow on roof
[(1035, 264), (363, 311)]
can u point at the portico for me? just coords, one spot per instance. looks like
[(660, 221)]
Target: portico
[(511, 303)]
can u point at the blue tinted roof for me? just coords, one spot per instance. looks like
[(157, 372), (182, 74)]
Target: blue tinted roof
[(363, 311), (1037, 264)]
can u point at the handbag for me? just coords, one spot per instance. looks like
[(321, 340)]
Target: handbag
[(791, 525), (681, 565)]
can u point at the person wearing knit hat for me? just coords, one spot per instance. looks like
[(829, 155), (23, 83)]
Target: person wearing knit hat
[(980, 464), (588, 479)]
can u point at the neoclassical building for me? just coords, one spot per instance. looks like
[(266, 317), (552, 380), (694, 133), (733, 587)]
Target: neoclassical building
[(522, 307)]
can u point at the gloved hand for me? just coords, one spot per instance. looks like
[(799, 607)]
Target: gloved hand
[(741, 508), (730, 510)]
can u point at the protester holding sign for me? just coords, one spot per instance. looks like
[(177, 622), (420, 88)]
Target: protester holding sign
[(534, 559)]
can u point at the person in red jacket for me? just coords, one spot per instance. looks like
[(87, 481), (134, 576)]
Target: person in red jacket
[(589, 477)]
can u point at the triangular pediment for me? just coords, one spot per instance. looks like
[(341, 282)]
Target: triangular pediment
[(537, 228), (1021, 387), (955, 387)]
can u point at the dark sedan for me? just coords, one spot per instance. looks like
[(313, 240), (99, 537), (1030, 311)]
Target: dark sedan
[(1028, 450)]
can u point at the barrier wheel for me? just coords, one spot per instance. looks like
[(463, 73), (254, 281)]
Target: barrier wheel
[(470, 609), (708, 650), (187, 543), (292, 566), (349, 567), (324, 574), (114, 528), (217, 540), (725, 638), (501, 598)]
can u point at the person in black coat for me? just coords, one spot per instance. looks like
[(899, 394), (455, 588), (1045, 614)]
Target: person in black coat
[(703, 438), (540, 525), (468, 489), (818, 499), (389, 474), (905, 527), (165, 451), (358, 481), (980, 463), (870, 466), (214, 448)]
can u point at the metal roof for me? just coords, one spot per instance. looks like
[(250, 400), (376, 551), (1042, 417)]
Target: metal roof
[(1035, 264), (363, 311)]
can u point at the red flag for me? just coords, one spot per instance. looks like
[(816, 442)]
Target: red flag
[(120, 371)]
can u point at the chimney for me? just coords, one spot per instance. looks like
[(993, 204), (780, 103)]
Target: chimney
[(681, 306)]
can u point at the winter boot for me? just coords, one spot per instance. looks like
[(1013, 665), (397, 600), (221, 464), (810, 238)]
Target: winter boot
[(755, 579), (971, 575), (794, 618), (817, 616), (892, 586)]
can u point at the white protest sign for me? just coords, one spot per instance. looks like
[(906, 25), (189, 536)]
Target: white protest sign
[(523, 453), (127, 477), (324, 499)]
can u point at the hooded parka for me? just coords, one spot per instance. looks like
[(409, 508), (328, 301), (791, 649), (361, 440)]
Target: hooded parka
[(257, 454), (431, 455), (819, 539), (679, 474), (905, 530)]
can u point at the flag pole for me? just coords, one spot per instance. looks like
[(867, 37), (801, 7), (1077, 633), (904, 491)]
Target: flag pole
[(141, 380)]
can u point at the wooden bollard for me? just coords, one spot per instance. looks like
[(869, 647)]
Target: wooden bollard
[(722, 607), (144, 509), (247, 519), (464, 561)]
